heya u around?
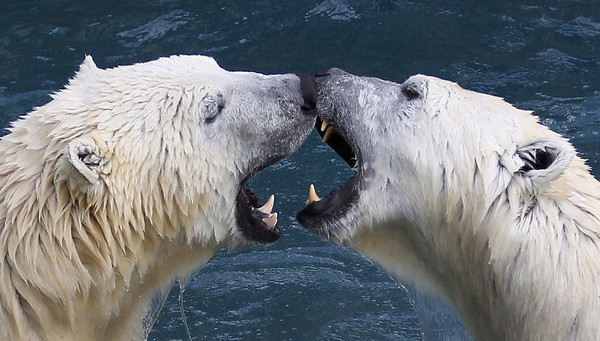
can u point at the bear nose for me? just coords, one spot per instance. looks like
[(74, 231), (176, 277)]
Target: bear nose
[(308, 90)]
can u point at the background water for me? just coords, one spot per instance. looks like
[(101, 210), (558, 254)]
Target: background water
[(539, 55)]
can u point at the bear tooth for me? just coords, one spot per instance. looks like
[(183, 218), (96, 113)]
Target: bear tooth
[(330, 131), (312, 195), (324, 124), (271, 220), (268, 206)]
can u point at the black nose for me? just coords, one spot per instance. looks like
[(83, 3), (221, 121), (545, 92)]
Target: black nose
[(322, 72), (308, 90)]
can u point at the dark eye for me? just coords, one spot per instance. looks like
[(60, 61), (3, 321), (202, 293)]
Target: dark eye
[(212, 106), (410, 92)]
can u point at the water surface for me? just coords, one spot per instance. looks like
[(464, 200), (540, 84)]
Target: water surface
[(539, 55)]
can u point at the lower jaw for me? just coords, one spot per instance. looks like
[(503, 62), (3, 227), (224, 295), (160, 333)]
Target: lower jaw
[(323, 217), (250, 221)]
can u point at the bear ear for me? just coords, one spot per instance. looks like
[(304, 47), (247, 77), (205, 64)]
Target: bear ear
[(87, 69), (545, 159), (87, 158), (88, 64)]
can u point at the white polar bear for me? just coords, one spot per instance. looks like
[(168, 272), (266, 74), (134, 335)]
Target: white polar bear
[(130, 178), (464, 195)]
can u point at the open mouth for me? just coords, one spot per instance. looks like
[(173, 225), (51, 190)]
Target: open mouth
[(256, 222), (321, 214)]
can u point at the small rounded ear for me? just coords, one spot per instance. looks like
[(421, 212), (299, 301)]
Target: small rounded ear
[(84, 154), (545, 159), (88, 64)]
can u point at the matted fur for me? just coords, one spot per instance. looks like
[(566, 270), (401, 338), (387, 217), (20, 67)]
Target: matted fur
[(85, 246), (449, 202)]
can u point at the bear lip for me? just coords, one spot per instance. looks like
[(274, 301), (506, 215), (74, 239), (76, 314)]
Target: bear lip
[(321, 214)]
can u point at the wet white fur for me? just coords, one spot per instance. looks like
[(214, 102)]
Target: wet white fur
[(446, 207), (117, 187)]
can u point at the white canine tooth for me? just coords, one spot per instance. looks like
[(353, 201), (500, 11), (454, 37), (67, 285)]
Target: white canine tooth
[(312, 195), (268, 206), (271, 220), (328, 133), (324, 125)]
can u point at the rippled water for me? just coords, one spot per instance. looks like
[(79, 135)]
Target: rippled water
[(540, 56)]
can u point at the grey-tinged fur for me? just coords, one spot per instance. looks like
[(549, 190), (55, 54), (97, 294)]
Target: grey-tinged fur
[(470, 198)]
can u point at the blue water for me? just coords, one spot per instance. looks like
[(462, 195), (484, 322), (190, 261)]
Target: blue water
[(539, 55)]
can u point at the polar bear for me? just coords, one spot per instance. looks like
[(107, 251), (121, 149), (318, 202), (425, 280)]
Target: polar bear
[(130, 178), (464, 195)]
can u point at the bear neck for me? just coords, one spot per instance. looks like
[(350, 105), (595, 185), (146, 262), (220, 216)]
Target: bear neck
[(63, 256), (517, 265), (516, 270)]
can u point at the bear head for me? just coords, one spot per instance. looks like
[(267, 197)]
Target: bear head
[(131, 177), (175, 141), (463, 195)]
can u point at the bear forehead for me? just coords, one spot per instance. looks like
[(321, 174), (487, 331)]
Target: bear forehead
[(425, 84)]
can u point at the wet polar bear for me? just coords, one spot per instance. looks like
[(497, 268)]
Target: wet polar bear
[(132, 177), (464, 195)]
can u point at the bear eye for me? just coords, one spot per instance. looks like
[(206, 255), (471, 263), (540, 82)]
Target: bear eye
[(211, 107), (411, 92)]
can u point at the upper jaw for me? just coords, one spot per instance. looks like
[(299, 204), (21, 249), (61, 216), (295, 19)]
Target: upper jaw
[(331, 216), (334, 125)]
